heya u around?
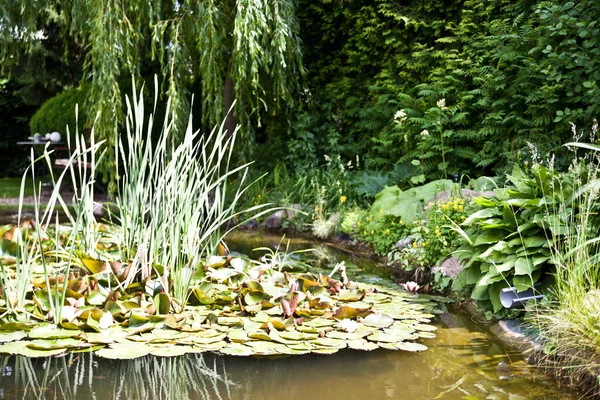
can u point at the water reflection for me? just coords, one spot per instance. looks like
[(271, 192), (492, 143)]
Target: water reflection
[(84, 376), (462, 363)]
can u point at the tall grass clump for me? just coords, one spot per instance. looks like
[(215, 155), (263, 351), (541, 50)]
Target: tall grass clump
[(172, 199), (44, 248), (570, 324)]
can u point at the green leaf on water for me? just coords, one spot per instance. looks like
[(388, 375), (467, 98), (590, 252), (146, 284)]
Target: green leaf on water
[(12, 336), (378, 320), (124, 351)]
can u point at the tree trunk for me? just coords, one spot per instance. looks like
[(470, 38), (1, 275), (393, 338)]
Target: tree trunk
[(228, 99)]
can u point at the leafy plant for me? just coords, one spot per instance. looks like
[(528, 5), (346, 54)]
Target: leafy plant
[(408, 204), (56, 114), (432, 237), (509, 237)]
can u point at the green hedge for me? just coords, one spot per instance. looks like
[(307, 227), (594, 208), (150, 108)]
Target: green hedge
[(59, 112)]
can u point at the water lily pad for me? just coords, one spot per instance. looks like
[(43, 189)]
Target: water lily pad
[(361, 344), (425, 335), (423, 327), (122, 351), (351, 295), (298, 336), (324, 350), (347, 336), (20, 348), (238, 335), (329, 342), (387, 346), (378, 320), (259, 335), (171, 351), (196, 339), (411, 346), (52, 332), (387, 337), (346, 312), (237, 349), (12, 336)]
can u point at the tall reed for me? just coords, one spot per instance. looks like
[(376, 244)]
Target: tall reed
[(172, 199)]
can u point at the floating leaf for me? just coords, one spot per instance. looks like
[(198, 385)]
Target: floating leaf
[(121, 351), (351, 295), (171, 351), (20, 348), (52, 332), (346, 312), (12, 336), (411, 346), (94, 266), (361, 344), (378, 320), (162, 302), (237, 349)]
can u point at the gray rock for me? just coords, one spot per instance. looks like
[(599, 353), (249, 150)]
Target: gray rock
[(404, 243), (451, 267), (275, 220), (293, 210)]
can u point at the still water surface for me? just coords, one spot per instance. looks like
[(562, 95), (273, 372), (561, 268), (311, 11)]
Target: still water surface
[(462, 363)]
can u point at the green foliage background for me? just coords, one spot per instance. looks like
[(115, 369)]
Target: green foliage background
[(59, 112), (510, 72)]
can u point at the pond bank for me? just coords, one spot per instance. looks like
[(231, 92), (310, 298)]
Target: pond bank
[(511, 333)]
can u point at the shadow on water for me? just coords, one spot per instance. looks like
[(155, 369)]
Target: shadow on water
[(464, 361)]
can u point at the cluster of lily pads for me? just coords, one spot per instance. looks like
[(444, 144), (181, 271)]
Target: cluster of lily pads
[(234, 306)]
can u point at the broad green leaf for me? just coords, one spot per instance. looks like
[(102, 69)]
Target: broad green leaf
[(523, 266), (488, 237)]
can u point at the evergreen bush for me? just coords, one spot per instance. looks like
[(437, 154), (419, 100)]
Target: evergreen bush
[(59, 112)]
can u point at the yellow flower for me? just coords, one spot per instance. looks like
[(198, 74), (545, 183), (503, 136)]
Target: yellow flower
[(381, 211), (461, 208), (437, 232), (387, 231), (423, 244), (462, 217), (358, 223), (343, 199), (401, 222), (372, 231), (364, 232), (415, 245)]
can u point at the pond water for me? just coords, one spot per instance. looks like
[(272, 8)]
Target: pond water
[(462, 363)]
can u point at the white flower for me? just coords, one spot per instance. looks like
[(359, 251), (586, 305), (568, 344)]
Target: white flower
[(411, 286), (400, 117), (441, 103), (424, 132)]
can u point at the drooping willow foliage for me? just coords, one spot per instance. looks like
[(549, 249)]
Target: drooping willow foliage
[(244, 50)]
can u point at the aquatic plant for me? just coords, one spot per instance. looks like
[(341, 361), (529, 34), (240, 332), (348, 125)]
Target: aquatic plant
[(154, 280)]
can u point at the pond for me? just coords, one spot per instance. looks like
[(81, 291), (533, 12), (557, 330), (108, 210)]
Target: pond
[(464, 361)]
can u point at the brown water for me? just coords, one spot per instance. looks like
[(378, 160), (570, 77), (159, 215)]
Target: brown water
[(462, 363)]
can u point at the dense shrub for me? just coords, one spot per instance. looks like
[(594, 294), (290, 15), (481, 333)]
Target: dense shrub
[(59, 112)]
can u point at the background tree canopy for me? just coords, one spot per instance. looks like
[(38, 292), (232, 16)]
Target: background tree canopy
[(508, 72), (247, 50)]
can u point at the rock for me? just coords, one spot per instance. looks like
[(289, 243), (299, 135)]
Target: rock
[(275, 220), (404, 243), (98, 209), (451, 267), (293, 210)]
